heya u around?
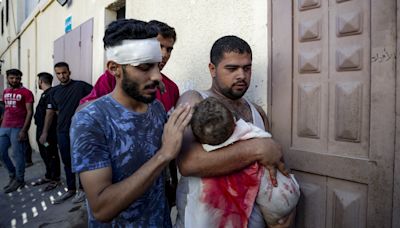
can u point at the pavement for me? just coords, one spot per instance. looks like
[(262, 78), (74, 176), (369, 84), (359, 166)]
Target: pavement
[(31, 207)]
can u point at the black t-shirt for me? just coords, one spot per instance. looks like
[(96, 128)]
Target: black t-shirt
[(40, 113), (65, 99)]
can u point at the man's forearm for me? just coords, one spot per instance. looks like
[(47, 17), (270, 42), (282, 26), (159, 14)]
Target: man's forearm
[(111, 199), (195, 161), (27, 122), (48, 120)]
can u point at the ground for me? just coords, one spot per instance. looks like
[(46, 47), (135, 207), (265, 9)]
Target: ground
[(31, 207)]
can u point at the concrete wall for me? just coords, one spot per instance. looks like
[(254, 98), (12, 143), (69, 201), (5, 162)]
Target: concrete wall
[(198, 24)]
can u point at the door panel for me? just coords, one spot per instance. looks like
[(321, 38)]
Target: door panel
[(73, 53), (331, 69), (58, 54), (76, 48), (86, 53)]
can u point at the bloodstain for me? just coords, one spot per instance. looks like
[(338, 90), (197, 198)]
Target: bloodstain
[(233, 194)]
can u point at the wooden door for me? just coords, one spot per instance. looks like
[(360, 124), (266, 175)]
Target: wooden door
[(333, 107)]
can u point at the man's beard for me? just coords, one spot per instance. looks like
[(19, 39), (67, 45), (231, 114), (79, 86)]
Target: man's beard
[(14, 86), (234, 95), (132, 89)]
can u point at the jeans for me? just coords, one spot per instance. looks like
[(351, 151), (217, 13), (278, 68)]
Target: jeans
[(9, 136)]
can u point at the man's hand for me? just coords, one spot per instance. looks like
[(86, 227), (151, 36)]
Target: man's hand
[(173, 130), (272, 158), (43, 138), (22, 135)]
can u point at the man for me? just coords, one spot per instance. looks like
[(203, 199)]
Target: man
[(64, 99), (48, 150), (230, 69), (167, 38), (14, 128), (120, 145), (168, 94)]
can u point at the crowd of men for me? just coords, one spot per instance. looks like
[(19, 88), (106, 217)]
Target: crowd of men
[(122, 136)]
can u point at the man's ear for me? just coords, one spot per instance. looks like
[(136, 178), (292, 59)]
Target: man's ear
[(113, 68), (213, 70)]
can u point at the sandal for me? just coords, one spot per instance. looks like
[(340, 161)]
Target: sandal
[(41, 181), (52, 185)]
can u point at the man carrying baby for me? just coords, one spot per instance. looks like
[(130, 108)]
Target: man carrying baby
[(230, 69)]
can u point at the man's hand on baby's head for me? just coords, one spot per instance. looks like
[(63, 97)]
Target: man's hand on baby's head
[(174, 128)]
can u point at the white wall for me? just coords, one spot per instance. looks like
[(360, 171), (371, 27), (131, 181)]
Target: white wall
[(198, 24)]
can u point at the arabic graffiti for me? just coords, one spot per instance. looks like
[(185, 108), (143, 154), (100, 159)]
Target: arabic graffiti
[(382, 56)]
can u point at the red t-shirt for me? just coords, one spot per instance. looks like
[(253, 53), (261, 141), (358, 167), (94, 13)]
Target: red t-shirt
[(15, 108), (106, 84), (170, 96)]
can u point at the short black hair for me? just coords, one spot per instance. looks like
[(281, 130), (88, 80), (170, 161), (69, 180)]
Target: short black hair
[(212, 122), (46, 77), (14, 71), (164, 29), (228, 44), (62, 64), (127, 29)]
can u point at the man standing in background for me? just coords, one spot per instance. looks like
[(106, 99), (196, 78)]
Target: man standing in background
[(48, 150), (64, 99), (14, 128)]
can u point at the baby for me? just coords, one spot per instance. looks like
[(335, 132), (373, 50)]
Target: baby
[(214, 125)]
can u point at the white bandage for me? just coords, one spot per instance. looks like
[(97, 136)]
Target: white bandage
[(135, 52)]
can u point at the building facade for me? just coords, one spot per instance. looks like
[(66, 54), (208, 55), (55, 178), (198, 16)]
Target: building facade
[(326, 72)]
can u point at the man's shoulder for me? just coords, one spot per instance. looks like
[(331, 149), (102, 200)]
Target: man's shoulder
[(169, 84), (98, 103), (93, 110), (55, 89), (80, 83), (192, 93), (191, 97), (26, 90), (166, 79)]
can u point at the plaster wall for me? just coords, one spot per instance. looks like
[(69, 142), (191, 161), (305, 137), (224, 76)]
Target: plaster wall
[(198, 24)]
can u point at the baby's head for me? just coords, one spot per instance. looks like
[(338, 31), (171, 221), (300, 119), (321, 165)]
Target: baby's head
[(212, 122)]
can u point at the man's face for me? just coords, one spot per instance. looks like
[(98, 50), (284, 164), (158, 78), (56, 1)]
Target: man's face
[(140, 82), (167, 45), (232, 75), (14, 81), (62, 74)]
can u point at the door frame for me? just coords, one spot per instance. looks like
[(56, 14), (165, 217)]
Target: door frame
[(396, 188)]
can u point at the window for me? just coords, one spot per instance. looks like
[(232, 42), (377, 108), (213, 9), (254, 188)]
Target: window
[(7, 12)]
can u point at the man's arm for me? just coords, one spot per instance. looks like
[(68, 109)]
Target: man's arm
[(47, 123), (106, 199), (194, 161), (23, 133)]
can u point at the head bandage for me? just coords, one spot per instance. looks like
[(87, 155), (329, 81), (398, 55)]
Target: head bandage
[(135, 52)]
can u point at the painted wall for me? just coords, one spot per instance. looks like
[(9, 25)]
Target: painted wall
[(198, 24)]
